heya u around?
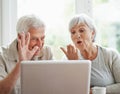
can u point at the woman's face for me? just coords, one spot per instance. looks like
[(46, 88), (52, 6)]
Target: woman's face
[(82, 36)]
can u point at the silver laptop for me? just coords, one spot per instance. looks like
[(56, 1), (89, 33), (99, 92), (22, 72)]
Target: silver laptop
[(55, 77)]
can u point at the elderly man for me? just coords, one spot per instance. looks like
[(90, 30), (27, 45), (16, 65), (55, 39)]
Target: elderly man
[(28, 46)]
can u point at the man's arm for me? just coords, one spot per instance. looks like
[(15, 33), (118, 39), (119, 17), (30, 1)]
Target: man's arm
[(7, 84)]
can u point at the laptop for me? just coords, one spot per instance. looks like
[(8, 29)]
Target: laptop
[(55, 77)]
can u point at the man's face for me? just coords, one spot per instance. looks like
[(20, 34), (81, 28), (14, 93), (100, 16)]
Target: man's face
[(36, 38)]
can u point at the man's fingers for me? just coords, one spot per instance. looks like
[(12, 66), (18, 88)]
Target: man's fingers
[(77, 51), (33, 51), (27, 38), (19, 43), (21, 36)]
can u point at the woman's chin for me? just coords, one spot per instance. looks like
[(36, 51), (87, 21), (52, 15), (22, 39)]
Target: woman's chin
[(80, 47)]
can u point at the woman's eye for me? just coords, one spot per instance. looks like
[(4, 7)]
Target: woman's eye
[(81, 30), (73, 32)]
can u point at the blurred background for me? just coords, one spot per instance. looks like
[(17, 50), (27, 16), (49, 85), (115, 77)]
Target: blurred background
[(56, 15)]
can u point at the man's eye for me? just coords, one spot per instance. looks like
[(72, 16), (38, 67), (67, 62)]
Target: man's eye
[(33, 39), (42, 38)]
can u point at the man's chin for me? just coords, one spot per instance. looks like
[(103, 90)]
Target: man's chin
[(37, 54)]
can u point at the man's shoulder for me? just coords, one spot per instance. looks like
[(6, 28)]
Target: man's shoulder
[(3, 48), (9, 51), (47, 53), (46, 48), (12, 45)]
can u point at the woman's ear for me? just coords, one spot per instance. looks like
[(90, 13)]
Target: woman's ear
[(93, 35)]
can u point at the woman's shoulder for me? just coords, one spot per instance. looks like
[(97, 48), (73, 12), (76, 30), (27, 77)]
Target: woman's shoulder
[(108, 50), (111, 56)]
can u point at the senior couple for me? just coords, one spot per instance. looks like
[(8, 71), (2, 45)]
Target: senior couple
[(29, 45)]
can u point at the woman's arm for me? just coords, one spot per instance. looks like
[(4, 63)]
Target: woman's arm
[(115, 69), (113, 89)]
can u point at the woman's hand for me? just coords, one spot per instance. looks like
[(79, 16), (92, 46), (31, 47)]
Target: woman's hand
[(71, 52), (23, 43)]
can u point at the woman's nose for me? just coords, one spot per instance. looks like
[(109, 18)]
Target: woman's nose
[(78, 35)]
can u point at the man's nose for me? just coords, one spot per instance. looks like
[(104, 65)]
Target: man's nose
[(39, 42)]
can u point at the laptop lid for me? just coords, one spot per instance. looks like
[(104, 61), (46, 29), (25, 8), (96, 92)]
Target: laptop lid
[(55, 77)]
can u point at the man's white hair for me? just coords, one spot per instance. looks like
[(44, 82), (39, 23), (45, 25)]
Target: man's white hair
[(82, 18), (27, 22)]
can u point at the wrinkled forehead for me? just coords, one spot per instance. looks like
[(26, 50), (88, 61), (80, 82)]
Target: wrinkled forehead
[(39, 30), (78, 21), (77, 26)]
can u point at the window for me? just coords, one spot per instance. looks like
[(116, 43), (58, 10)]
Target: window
[(8, 19), (107, 17), (56, 15)]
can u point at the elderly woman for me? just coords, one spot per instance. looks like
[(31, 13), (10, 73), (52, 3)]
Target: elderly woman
[(105, 70)]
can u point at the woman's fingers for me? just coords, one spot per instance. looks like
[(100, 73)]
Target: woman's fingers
[(71, 49), (63, 49), (71, 52)]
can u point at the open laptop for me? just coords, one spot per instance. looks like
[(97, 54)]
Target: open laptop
[(55, 77)]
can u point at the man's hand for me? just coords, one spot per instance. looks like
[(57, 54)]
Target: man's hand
[(71, 52), (23, 43)]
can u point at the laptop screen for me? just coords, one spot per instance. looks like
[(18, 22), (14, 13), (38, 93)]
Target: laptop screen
[(55, 77)]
